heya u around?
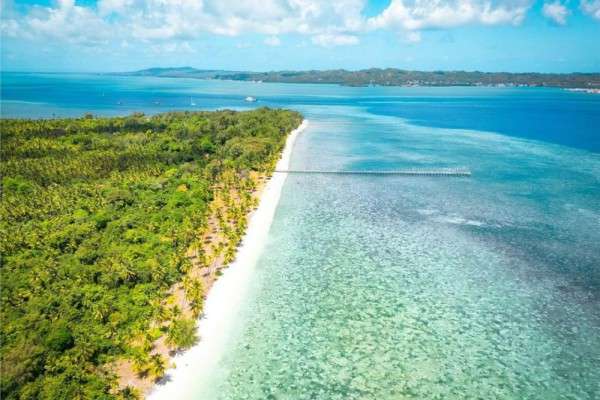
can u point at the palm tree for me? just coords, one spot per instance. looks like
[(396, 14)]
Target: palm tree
[(175, 311), (157, 366), (182, 333), (130, 393), (194, 292), (140, 362)]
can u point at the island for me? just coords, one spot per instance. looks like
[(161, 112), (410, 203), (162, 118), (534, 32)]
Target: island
[(113, 230), (387, 77)]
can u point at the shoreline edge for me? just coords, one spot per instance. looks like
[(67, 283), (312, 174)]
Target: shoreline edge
[(226, 295)]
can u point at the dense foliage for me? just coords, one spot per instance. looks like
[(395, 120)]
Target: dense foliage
[(388, 77), (97, 214)]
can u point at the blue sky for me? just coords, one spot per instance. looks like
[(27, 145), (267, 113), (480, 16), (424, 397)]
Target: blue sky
[(261, 35)]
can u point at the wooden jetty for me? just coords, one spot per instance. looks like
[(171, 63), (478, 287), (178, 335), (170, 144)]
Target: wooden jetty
[(458, 172)]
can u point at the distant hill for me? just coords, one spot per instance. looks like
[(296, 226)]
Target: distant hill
[(387, 77), (178, 72)]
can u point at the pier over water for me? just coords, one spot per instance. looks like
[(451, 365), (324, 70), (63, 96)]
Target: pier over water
[(449, 172)]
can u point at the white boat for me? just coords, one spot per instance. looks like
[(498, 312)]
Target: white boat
[(192, 102), (250, 99)]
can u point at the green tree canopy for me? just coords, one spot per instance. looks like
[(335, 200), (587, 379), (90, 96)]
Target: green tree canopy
[(96, 217)]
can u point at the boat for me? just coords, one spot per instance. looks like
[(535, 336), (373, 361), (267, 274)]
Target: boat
[(250, 99), (192, 102)]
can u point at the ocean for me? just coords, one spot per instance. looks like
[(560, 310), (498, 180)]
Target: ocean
[(394, 287)]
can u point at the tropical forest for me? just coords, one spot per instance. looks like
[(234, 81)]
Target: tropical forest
[(112, 230)]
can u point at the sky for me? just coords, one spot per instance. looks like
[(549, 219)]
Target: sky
[(266, 35)]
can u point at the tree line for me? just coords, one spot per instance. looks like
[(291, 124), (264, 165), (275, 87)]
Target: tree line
[(388, 77)]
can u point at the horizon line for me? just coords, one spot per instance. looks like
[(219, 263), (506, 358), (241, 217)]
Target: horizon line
[(297, 70)]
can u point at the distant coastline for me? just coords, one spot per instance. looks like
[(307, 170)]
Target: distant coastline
[(386, 77)]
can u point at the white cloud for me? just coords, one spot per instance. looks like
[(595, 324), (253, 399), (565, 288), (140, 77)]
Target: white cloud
[(10, 28), (325, 22), (556, 12), (166, 19), (331, 40), (173, 47), (66, 22), (423, 14), (272, 41), (591, 7)]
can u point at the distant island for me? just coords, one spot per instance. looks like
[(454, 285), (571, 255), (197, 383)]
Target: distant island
[(386, 77)]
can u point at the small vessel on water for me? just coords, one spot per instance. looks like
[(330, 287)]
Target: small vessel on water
[(192, 103), (250, 99)]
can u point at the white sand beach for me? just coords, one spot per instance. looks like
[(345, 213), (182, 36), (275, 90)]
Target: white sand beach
[(228, 292)]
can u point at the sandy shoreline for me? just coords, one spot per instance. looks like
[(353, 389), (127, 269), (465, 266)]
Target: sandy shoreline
[(227, 294)]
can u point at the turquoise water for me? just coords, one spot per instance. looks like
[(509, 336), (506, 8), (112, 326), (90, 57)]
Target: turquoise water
[(404, 287)]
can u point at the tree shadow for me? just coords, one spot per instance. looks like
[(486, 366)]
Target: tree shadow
[(166, 378)]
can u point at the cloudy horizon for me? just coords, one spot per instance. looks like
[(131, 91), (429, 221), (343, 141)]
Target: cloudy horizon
[(120, 35)]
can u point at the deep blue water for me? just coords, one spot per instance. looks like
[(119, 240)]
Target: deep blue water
[(542, 114), (402, 287), (551, 115)]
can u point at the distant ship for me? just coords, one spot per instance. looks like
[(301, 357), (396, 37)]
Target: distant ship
[(192, 102), (250, 99)]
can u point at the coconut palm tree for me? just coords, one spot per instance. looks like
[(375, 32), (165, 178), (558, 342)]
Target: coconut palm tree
[(157, 366), (182, 334)]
